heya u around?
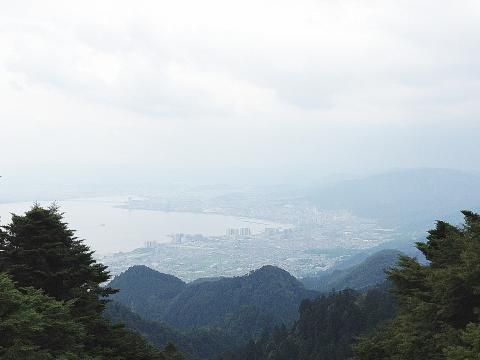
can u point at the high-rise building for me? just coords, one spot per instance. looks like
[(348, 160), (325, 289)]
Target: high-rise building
[(241, 232), (150, 244), (244, 232), (232, 232), (178, 238)]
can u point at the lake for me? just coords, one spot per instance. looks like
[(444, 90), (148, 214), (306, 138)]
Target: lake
[(107, 228)]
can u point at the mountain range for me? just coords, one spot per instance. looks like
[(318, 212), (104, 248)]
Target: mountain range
[(363, 275), (407, 199), (209, 316), (243, 305)]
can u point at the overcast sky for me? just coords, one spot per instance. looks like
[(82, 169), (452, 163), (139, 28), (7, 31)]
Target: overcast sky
[(217, 90)]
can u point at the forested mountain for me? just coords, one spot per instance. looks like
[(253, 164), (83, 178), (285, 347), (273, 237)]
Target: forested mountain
[(268, 294), (145, 291), (325, 330), (410, 199), (195, 344), (241, 306), (51, 298), (368, 273), (226, 312)]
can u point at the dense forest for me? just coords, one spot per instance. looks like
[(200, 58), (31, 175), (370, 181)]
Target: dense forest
[(241, 306), (51, 298), (325, 329), (203, 343)]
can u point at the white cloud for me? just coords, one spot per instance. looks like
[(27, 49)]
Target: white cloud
[(247, 84)]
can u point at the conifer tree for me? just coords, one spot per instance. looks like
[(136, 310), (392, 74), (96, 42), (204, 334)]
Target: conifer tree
[(36, 326), (38, 250), (439, 303)]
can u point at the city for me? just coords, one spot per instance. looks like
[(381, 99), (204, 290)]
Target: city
[(305, 242)]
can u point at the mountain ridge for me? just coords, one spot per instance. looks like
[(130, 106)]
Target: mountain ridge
[(368, 273), (403, 198), (242, 305)]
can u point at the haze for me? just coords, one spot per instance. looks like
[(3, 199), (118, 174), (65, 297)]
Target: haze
[(244, 91)]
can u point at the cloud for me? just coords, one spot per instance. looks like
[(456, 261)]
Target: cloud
[(129, 66), (250, 85), (226, 58)]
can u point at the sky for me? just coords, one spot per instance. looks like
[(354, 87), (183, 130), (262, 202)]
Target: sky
[(226, 91)]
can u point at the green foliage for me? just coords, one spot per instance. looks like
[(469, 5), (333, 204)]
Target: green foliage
[(38, 249), (325, 329), (118, 343), (200, 343), (145, 291), (63, 318), (33, 325), (240, 307), (469, 347), (439, 303)]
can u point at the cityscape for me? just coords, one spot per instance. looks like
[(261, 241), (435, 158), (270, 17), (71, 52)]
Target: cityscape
[(306, 240)]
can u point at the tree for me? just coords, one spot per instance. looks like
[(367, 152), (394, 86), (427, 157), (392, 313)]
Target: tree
[(437, 302), (325, 329), (36, 326), (470, 346), (39, 250)]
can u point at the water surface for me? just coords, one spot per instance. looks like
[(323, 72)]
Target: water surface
[(107, 228)]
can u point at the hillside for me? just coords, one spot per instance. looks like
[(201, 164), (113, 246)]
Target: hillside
[(198, 344), (368, 273), (326, 327), (240, 306), (145, 291), (408, 199), (269, 289)]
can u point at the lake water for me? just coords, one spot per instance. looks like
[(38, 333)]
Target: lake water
[(108, 229)]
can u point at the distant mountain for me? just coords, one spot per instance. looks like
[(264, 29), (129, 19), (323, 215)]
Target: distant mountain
[(408, 199), (269, 289), (209, 317), (241, 306), (146, 291), (367, 273)]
